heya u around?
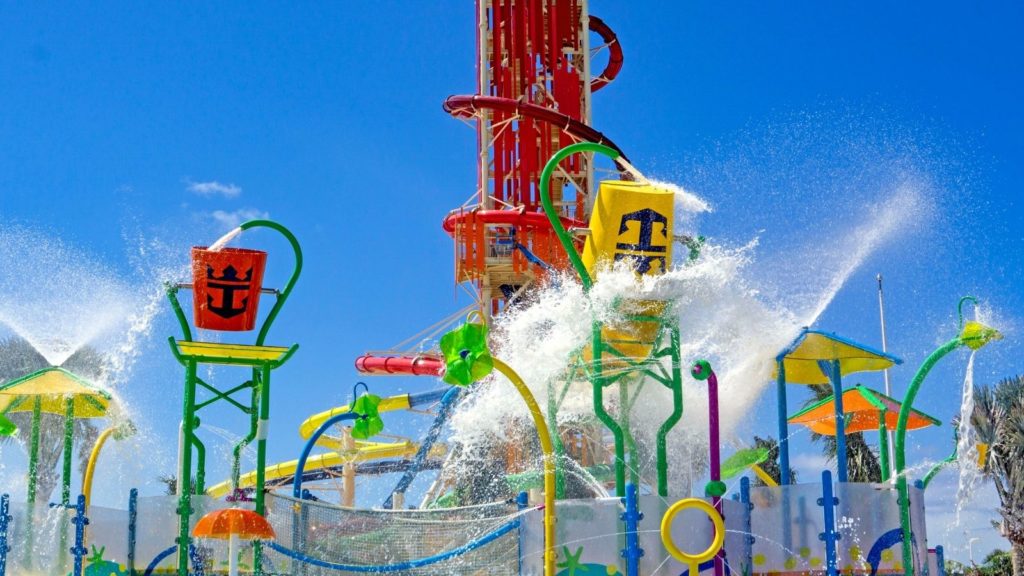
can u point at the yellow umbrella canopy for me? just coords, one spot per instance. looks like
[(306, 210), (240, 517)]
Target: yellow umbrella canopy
[(54, 386), (803, 360)]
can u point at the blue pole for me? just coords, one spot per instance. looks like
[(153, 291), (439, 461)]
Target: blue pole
[(301, 467), (133, 517), (447, 405), (522, 502), (837, 392), (748, 538), (632, 517), (780, 386), (940, 559), (830, 536), (80, 522), (5, 520)]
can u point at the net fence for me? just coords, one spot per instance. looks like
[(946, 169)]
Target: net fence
[(315, 538)]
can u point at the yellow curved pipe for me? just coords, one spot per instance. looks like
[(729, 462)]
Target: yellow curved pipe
[(364, 453), (549, 463), (389, 404), (90, 468)]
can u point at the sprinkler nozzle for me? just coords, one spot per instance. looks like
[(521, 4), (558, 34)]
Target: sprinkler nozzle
[(701, 370)]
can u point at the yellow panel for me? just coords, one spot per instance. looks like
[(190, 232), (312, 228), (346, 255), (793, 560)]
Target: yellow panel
[(231, 351)]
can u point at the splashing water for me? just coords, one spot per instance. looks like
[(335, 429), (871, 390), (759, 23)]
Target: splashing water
[(723, 316), (55, 297), (971, 476)]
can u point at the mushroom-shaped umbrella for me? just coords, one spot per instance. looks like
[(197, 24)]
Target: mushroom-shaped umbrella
[(233, 524), (822, 358), (863, 409), (53, 391)]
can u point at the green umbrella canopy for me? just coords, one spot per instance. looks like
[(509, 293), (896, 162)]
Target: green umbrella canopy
[(53, 387), (742, 460), (369, 422)]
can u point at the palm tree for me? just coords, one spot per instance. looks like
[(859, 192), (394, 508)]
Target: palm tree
[(771, 465), (18, 358), (998, 419), (862, 463)]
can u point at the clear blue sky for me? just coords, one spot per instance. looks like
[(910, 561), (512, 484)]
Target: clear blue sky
[(789, 120)]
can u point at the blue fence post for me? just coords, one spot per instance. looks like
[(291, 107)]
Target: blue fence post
[(80, 522), (748, 538), (522, 502), (133, 516), (940, 559), (198, 562), (632, 517), (828, 501), (5, 520)]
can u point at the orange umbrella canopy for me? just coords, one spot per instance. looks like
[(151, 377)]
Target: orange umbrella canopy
[(228, 522), (863, 408)]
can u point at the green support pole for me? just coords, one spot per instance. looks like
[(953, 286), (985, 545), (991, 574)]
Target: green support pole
[(261, 459), (883, 447), (597, 375), (900, 448), (33, 458), (200, 487), (185, 472), (254, 420), (69, 442), (673, 419)]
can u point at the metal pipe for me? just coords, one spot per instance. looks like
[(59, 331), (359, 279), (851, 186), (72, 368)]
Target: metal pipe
[(885, 374)]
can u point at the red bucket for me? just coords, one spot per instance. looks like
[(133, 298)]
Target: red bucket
[(226, 287)]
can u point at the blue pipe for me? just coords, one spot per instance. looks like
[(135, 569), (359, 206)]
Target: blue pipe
[(522, 503), (5, 519), (444, 411), (780, 384), (158, 559), (830, 536), (836, 376), (297, 483), (631, 518), (940, 559), (133, 516), (748, 538), (80, 522), (534, 259), (418, 563)]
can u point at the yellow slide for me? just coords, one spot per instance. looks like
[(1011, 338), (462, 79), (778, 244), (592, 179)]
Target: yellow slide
[(364, 452)]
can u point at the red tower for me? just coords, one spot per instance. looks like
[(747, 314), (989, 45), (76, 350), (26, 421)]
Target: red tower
[(534, 87)]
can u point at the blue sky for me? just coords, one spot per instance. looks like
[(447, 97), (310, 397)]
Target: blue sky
[(792, 122)]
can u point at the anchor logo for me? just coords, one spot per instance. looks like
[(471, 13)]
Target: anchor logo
[(229, 283), (647, 219)]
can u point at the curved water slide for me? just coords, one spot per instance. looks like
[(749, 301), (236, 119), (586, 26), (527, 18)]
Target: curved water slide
[(370, 457)]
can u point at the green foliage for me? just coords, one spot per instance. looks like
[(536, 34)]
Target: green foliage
[(998, 420), (771, 463)]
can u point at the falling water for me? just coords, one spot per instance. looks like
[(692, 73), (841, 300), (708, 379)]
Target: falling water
[(967, 445)]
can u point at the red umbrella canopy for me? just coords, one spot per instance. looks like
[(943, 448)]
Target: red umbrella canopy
[(228, 522)]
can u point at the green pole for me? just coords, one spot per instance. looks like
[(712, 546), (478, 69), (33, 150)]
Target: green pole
[(900, 447), (254, 420), (556, 439), (549, 207), (185, 472), (883, 446), (291, 280), (261, 459), (33, 458), (673, 419), (597, 375), (69, 442)]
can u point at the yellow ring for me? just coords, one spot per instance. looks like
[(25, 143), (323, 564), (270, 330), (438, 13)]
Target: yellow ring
[(666, 530)]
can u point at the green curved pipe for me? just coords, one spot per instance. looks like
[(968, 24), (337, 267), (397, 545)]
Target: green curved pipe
[(901, 438), (549, 207), (291, 281)]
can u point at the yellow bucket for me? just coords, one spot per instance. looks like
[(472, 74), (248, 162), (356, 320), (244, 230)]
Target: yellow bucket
[(631, 222)]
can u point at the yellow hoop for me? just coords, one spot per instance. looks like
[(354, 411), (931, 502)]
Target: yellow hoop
[(693, 560)]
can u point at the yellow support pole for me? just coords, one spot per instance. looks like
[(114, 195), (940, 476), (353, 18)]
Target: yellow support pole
[(549, 462)]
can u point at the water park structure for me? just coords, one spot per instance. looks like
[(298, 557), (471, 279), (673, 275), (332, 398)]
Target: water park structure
[(586, 480)]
